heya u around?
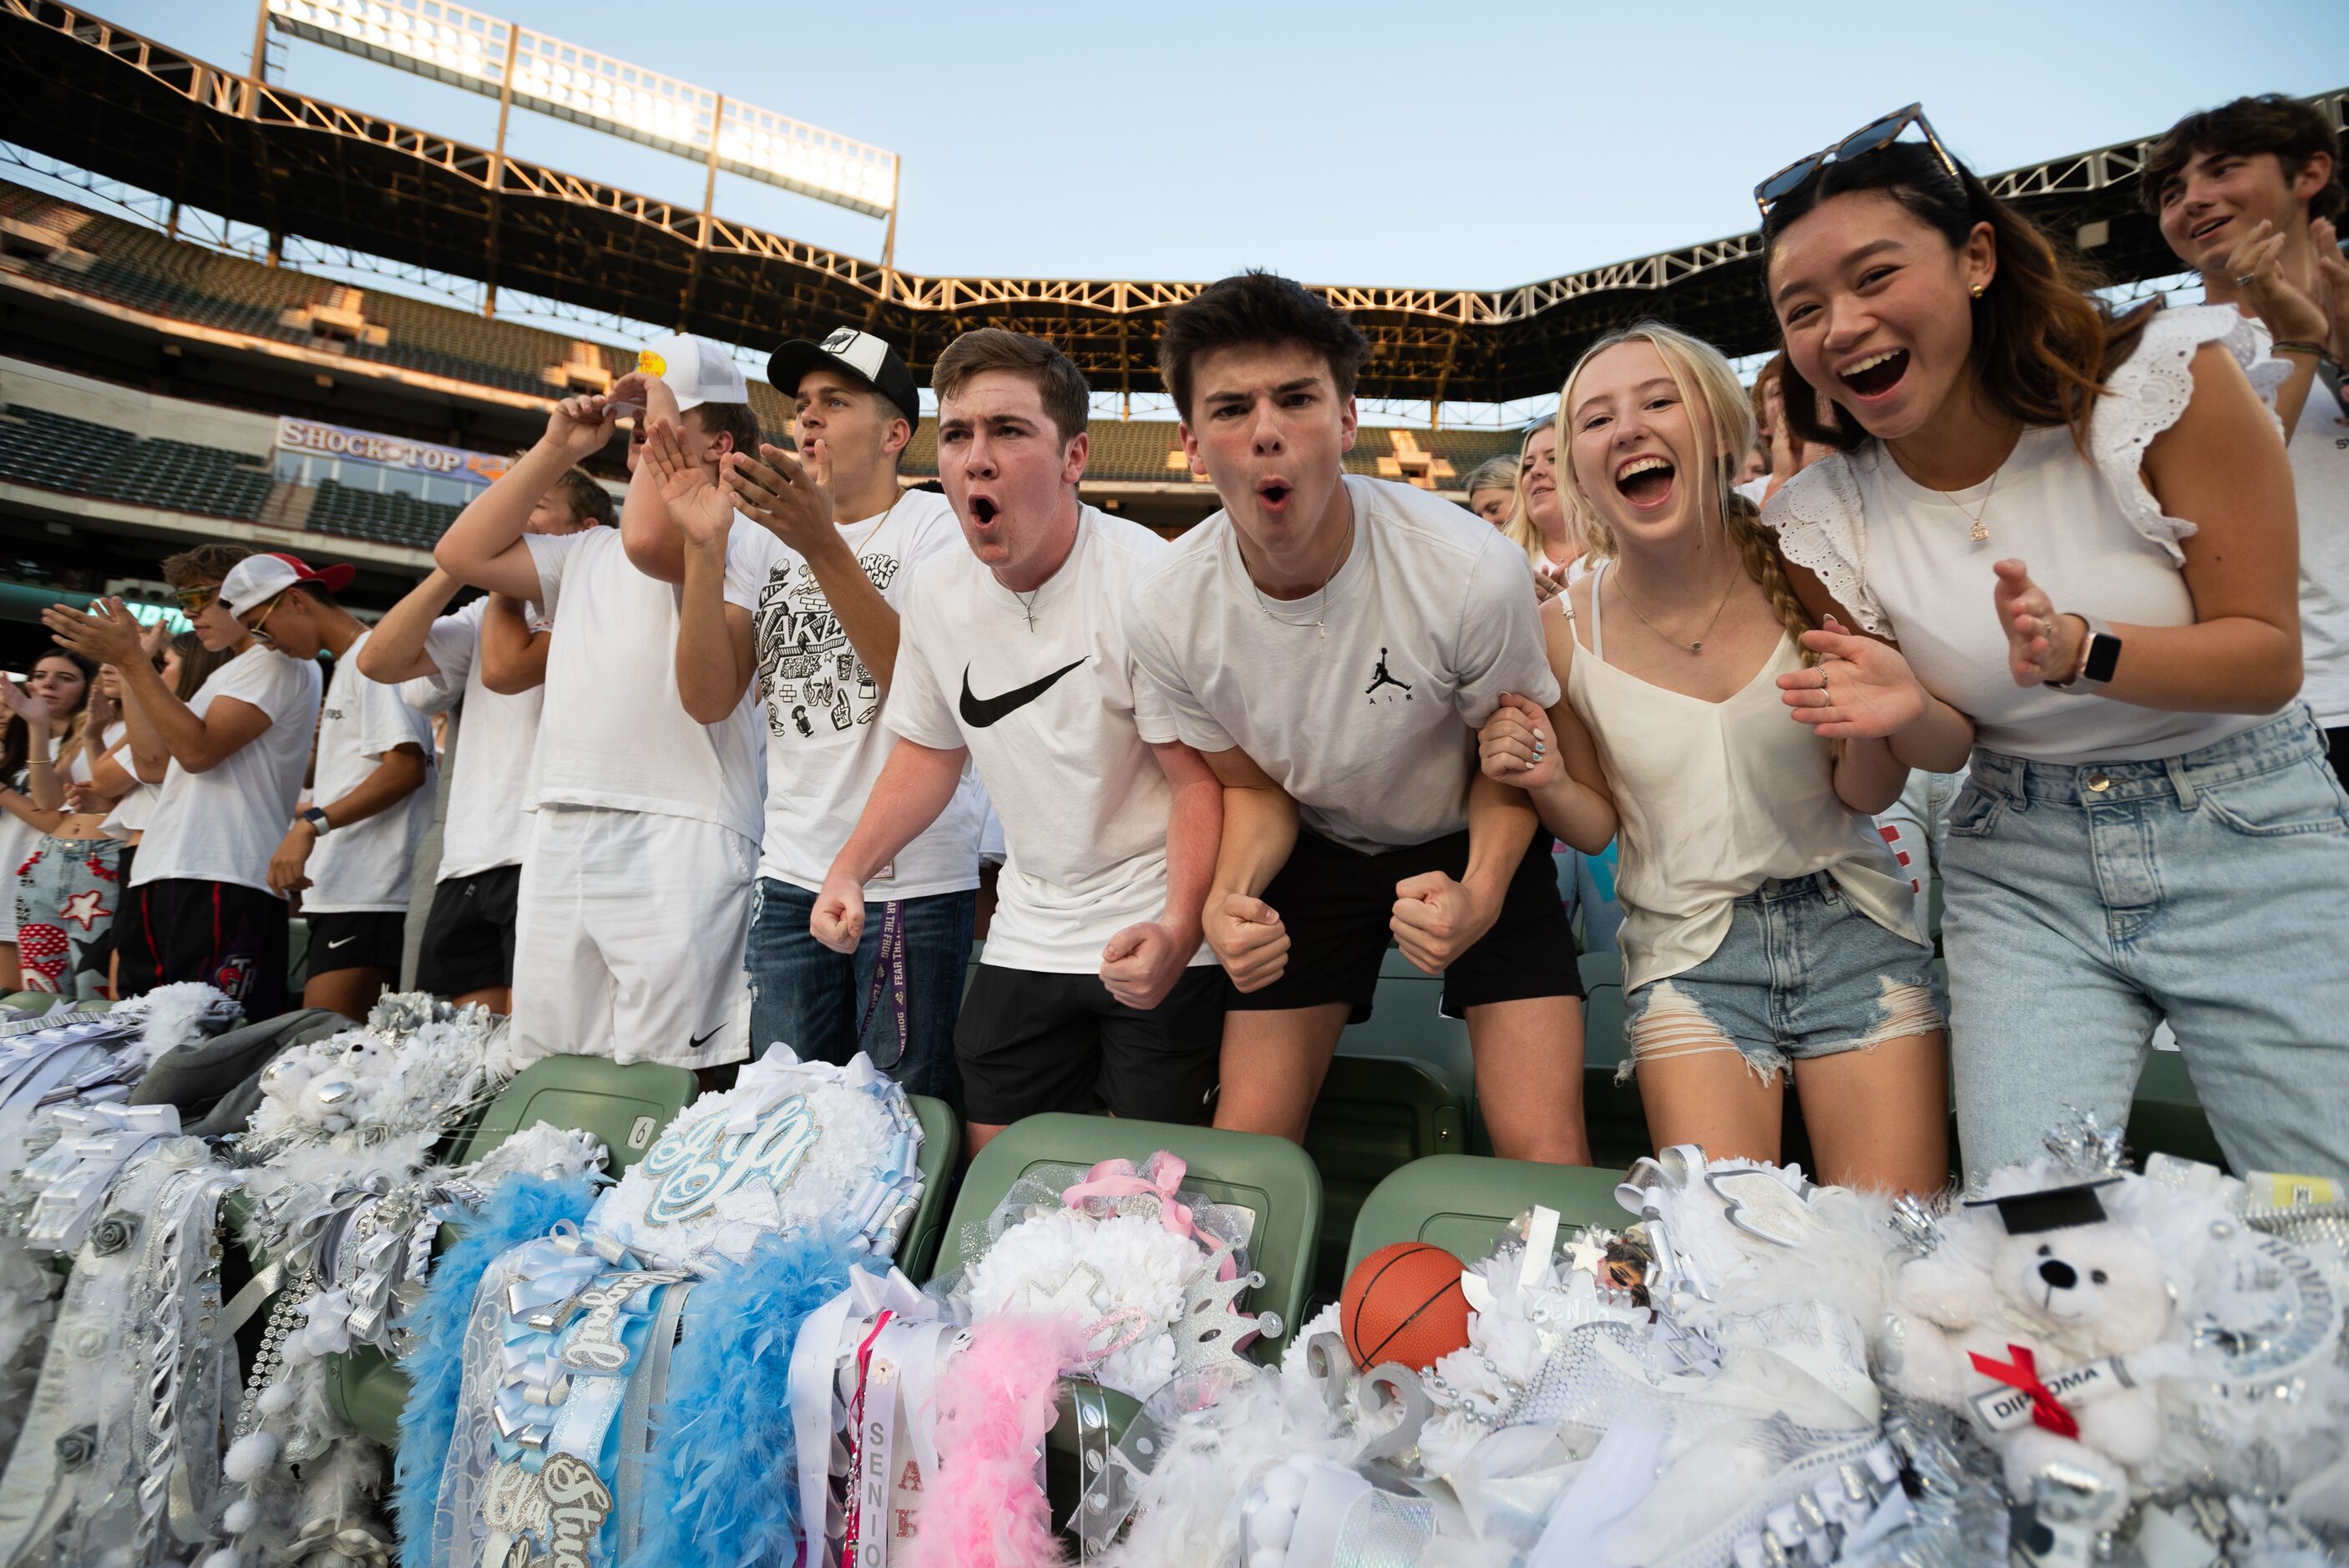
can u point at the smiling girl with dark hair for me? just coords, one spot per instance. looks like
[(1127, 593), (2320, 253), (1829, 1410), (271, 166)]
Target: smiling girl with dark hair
[(2080, 532)]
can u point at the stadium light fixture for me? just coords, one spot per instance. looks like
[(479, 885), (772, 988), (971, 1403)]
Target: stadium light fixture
[(484, 53)]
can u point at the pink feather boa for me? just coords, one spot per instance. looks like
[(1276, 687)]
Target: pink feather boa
[(994, 1402)]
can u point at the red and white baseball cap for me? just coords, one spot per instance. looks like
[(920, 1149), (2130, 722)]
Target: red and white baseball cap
[(258, 579), (696, 369)]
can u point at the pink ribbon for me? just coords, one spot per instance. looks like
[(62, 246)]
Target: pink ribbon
[(1115, 1179)]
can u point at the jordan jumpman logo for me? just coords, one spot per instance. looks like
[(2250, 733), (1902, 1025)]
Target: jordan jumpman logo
[(1379, 677)]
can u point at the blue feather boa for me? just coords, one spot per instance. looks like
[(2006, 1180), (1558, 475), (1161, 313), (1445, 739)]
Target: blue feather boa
[(721, 1488), (521, 1209)]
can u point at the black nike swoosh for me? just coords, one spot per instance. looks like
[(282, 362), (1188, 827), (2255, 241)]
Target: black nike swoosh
[(980, 712), (696, 1044)]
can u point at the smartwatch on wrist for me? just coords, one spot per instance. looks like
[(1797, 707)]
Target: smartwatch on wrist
[(316, 817), (2100, 654)]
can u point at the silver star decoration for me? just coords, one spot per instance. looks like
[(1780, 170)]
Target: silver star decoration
[(1914, 1221), (2084, 1143)]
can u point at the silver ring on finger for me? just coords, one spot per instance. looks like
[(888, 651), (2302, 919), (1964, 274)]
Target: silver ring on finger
[(2245, 280)]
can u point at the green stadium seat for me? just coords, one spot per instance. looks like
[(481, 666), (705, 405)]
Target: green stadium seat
[(626, 1107), (1270, 1177), (941, 1152), (1463, 1203), (2166, 1117)]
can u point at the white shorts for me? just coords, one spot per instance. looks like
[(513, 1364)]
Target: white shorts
[(628, 934)]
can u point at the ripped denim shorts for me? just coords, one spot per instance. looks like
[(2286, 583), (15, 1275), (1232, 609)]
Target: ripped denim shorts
[(1801, 974)]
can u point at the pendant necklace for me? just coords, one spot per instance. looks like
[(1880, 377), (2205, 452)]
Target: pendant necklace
[(1698, 645), (1980, 530), (1028, 604), (1320, 632)]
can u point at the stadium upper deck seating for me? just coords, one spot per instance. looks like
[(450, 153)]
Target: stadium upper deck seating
[(54, 452), (136, 267), (385, 517)]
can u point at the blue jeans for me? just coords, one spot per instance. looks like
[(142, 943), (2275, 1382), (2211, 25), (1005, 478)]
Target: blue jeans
[(813, 1000), (2087, 903)]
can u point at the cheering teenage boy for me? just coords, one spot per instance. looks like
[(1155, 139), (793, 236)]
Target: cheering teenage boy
[(352, 855), (1094, 989), (1331, 644), (836, 543), (637, 890)]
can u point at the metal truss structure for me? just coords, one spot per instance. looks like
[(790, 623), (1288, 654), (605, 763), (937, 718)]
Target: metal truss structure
[(123, 106)]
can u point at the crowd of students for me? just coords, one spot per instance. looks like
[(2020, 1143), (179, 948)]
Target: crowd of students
[(1981, 573)]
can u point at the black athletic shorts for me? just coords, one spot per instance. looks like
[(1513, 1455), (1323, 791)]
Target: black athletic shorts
[(469, 933), (222, 933), (357, 939), (1338, 905), (1029, 1042)]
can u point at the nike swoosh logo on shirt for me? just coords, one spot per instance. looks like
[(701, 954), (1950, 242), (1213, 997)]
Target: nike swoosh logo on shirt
[(696, 1044), (979, 712), (340, 942)]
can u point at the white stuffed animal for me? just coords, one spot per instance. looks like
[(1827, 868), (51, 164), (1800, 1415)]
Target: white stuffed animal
[(2042, 1284)]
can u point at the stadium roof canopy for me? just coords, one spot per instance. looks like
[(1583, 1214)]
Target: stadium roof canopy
[(121, 105)]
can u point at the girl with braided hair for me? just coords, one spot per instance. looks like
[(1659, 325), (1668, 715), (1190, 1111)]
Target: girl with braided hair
[(1766, 925)]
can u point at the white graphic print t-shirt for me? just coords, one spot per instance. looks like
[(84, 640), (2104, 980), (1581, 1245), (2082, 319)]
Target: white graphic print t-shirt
[(1060, 724), (825, 747), (1361, 700)]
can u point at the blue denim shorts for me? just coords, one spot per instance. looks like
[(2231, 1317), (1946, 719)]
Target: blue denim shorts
[(1802, 973)]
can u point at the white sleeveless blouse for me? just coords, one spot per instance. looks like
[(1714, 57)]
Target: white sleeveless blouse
[(1714, 800)]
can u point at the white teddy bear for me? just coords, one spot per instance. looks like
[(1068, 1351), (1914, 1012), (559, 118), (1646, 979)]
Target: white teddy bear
[(2037, 1284)]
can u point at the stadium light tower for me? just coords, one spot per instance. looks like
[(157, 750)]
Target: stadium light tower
[(487, 54)]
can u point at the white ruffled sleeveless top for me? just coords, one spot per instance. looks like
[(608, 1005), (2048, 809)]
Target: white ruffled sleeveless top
[(1898, 555), (1714, 800)]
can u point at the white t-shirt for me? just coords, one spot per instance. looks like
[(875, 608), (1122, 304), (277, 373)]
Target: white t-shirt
[(222, 825), (134, 806), (1060, 724), (366, 867), (488, 821), (2319, 478), (1371, 728), (612, 732), (1900, 557), (824, 748)]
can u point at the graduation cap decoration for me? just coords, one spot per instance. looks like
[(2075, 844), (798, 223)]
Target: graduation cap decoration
[(2049, 1208)]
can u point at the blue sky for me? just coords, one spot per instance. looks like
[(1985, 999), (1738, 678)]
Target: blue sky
[(1428, 144)]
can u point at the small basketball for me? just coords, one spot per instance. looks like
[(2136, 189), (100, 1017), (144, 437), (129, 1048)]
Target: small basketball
[(1403, 1303)]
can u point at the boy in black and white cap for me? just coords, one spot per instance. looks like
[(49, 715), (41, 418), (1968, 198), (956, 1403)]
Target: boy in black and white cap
[(1331, 643), (1095, 989), (637, 889), (352, 854), (837, 541)]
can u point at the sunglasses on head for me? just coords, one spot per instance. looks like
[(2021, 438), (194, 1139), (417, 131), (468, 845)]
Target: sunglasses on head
[(1874, 137)]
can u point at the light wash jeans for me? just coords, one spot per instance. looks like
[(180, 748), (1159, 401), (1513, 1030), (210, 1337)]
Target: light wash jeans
[(2085, 904)]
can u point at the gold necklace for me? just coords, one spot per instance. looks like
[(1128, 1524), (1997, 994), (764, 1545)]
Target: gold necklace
[(1980, 530), (1698, 645), (1321, 633)]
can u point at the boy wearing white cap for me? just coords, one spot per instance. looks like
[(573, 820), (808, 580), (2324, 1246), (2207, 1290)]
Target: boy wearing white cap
[(230, 762), (352, 854), (837, 543), (636, 892)]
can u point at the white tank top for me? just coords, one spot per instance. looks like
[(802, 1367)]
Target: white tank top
[(1714, 798)]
